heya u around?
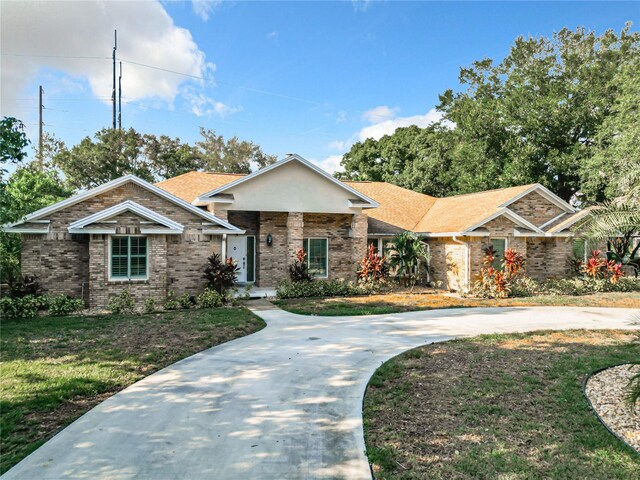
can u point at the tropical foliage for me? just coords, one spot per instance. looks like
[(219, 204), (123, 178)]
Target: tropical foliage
[(373, 267), (408, 257), (221, 274), (299, 268), (498, 282)]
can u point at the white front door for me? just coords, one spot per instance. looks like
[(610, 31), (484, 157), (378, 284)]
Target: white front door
[(241, 248)]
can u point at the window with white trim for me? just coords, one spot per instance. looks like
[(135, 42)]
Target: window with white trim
[(128, 258), (317, 250), (499, 245)]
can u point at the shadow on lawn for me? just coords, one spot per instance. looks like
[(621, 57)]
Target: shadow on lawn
[(497, 406)]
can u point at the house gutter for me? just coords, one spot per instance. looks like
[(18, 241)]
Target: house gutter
[(467, 270)]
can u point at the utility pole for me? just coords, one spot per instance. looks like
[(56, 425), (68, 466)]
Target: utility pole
[(40, 125), (120, 99), (113, 92)]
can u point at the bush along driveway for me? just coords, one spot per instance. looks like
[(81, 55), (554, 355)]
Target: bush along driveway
[(285, 402), (55, 369)]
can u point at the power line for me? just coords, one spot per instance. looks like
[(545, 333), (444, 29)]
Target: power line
[(243, 87), (54, 56)]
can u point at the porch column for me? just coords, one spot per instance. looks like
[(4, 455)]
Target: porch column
[(359, 230), (295, 233)]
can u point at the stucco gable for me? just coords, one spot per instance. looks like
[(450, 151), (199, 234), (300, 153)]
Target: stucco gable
[(292, 184)]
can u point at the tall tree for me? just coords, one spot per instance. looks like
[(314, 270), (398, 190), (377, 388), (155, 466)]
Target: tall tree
[(536, 116), (111, 154), (537, 113), (27, 189), (230, 156), (13, 142), (169, 157), (416, 158), (610, 172)]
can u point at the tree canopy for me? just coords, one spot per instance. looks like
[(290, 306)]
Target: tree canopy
[(112, 153), (539, 115)]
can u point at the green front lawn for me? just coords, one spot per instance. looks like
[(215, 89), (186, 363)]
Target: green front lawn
[(55, 369), (496, 406), (407, 302)]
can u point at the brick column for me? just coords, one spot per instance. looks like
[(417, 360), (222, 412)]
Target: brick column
[(359, 231), (295, 233), (98, 296), (218, 211)]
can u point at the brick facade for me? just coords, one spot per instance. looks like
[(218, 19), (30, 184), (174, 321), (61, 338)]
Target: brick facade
[(535, 208), (78, 264)]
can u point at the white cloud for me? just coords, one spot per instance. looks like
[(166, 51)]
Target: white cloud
[(202, 8), (360, 5), (273, 35), (330, 164), (380, 114), (341, 117), (58, 30), (337, 145), (387, 127), (202, 105)]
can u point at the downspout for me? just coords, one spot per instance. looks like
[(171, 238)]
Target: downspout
[(467, 269), (223, 249)]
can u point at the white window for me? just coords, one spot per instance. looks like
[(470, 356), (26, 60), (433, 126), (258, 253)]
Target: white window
[(383, 246), (317, 250), (128, 258)]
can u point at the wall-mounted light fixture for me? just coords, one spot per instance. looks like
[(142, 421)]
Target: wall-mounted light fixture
[(269, 240)]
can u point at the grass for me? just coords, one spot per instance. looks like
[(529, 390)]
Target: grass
[(496, 406), (406, 302), (55, 369)]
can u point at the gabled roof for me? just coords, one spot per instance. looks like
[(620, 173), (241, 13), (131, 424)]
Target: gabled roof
[(191, 185), (570, 221), (403, 209), (398, 206), (38, 214), (462, 212), (368, 202), (80, 226)]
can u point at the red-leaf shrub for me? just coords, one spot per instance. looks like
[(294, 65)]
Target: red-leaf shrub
[(373, 267)]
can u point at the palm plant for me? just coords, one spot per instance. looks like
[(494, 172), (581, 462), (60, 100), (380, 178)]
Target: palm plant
[(408, 255), (617, 222)]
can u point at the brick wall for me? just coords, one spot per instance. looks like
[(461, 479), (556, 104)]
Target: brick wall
[(76, 264), (62, 266), (273, 259), (535, 208), (548, 258), (448, 262)]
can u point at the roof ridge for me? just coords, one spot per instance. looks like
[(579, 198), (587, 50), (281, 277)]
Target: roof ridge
[(528, 185)]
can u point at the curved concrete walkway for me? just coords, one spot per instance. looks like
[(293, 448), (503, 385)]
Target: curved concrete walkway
[(282, 403)]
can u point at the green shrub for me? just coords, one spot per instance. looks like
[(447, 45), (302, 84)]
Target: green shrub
[(210, 298), (185, 301), (14, 308), (524, 287), (61, 305), (589, 285), (328, 288), (170, 302), (149, 305), (122, 303)]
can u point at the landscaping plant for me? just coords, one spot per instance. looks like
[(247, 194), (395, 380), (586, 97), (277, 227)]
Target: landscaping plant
[(373, 267), (122, 303), (409, 254), (220, 274), (498, 283), (210, 298), (299, 269), (22, 286)]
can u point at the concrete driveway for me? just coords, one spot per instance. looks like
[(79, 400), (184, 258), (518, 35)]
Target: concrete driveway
[(283, 403)]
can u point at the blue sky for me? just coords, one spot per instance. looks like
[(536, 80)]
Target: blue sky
[(304, 77)]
